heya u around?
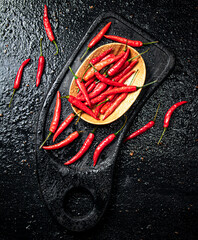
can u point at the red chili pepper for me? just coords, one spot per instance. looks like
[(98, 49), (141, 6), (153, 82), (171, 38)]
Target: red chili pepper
[(86, 145), (106, 142), (63, 125), (108, 56), (87, 84), (125, 89), (56, 117), (144, 128), (100, 57), (168, 116), (48, 28), (74, 101), (100, 87), (100, 65), (41, 64), (113, 70), (132, 43), (97, 38), (106, 80), (17, 80), (63, 143)]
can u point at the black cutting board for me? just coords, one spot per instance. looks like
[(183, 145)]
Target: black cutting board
[(81, 185)]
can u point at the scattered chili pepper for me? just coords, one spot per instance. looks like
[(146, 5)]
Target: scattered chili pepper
[(56, 117), (126, 89), (41, 64), (144, 128), (106, 80), (74, 101), (63, 143), (63, 125), (113, 70), (106, 142), (97, 38), (18, 78), (132, 43), (86, 145), (48, 28), (100, 65), (168, 116)]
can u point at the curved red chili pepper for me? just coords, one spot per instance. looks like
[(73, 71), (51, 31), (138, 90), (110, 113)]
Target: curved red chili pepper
[(74, 101), (115, 69), (87, 84), (63, 125), (132, 43), (17, 80), (63, 143), (105, 143), (144, 128), (100, 65), (82, 88), (106, 80), (97, 38), (86, 145), (107, 57), (41, 64), (101, 56), (48, 28), (168, 116), (56, 117)]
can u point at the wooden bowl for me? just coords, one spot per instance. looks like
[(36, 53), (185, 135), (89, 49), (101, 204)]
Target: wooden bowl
[(129, 100)]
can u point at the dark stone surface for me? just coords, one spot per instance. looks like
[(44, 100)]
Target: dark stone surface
[(154, 191)]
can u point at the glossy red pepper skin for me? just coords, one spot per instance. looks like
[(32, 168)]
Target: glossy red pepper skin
[(120, 90), (74, 101), (168, 116), (100, 87), (140, 131), (56, 116), (63, 126), (108, 56), (87, 85), (18, 77), (101, 146), (100, 65), (41, 64), (117, 66), (48, 28), (99, 36), (129, 42), (114, 105), (83, 150), (170, 112), (20, 73), (100, 57), (63, 143), (108, 81), (82, 88), (47, 25)]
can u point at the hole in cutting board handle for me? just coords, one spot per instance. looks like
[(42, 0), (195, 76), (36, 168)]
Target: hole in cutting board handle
[(78, 202)]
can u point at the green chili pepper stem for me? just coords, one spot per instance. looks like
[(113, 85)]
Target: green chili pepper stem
[(138, 55), (65, 96), (93, 131), (12, 97), (162, 136), (122, 125), (50, 133), (79, 116), (150, 43), (56, 47), (41, 54), (126, 46), (86, 70), (156, 113), (93, 67), (107, 100), (147, 84), (84, 53), (73, 73), (134, 77)]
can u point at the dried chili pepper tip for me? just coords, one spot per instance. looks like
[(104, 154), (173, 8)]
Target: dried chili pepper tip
[(168, 116)]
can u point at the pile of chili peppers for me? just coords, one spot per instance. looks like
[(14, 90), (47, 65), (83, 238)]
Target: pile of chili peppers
[(98, 94)]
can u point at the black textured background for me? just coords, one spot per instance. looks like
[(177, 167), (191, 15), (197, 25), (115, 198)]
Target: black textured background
[(154, 191)]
